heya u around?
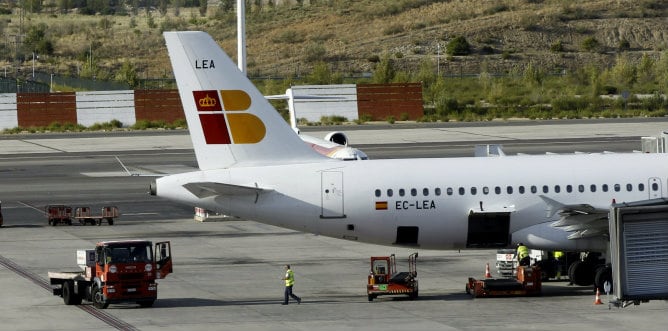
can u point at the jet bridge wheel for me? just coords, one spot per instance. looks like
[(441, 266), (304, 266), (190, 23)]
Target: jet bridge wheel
[(603, 274)]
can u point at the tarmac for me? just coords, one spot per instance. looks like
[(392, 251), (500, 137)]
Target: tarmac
[(227, 274)]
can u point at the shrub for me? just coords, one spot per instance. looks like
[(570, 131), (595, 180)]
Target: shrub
[(557, 47), (458, 46), (390, 119), (590, 44)]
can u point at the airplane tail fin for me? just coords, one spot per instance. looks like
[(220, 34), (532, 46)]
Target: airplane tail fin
[(229, 120)]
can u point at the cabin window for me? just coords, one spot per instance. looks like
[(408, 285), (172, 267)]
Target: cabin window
[(474, 191), (462, 191), (557, 189), (521, 189), (604, 187), (629, 187), (618, 188), (641, 187), (390, 192), (509, 189), (425, 192), (546, 189), (581, 188), (437, 191), (485, 190), (592, 187), (569, 188), (450, 191), (377, 193), (497, 190), (534, 189), (402, 192), (413, 192), (655, 187)]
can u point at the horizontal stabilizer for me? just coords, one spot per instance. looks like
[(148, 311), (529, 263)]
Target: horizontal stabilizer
[(210, 189)]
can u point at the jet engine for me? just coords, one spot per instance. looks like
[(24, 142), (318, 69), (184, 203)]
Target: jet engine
[(337, 137)]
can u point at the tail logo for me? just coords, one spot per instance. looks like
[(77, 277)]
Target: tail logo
[(227, 122)]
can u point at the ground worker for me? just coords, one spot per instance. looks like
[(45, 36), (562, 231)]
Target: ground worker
[(558, 255), (523, 255), (289, 282)]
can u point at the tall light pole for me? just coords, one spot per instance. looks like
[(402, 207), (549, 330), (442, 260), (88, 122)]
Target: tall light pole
[(241, 35), (33, 65)]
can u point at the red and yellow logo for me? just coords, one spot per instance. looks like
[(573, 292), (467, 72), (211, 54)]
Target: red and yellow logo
[(227, 122)]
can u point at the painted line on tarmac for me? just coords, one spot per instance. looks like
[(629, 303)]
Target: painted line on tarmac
[(105, 317)]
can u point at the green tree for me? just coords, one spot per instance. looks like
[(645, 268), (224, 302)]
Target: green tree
[(321, 74), (458, 46), (128, 74), (37, 41), (623, 72), (384, 71), (203, 7)]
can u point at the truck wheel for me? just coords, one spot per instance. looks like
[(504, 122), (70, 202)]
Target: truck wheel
[(99, 222), (370, 297), (69, 297), (98, 298), (146, 304), (110, 221)]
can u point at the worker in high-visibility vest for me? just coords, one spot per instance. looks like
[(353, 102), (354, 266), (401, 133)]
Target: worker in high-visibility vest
[(289, 283), (523, 255), (558, 255)]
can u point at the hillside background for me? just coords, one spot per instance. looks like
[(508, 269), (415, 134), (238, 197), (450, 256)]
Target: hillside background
[(596, 47)]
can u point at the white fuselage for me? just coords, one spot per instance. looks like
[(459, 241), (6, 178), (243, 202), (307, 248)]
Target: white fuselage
[(363, 200)]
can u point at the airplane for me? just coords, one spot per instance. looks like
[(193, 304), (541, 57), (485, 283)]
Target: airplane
[(334, 145), (253, 165)]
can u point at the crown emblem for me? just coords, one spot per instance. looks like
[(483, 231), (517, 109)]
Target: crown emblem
[(207, 101)]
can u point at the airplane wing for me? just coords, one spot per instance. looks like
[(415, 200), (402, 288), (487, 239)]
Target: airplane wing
[(583, 220), (210, 189)]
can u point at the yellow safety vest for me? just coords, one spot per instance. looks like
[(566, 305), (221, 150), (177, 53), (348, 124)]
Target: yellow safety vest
[(558, 254), (289, 278), (522, 252)]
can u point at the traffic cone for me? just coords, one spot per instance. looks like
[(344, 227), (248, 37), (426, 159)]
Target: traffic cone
[(487, 273), (598, 301)]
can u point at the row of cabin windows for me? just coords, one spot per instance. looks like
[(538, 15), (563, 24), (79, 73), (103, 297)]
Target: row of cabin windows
[(522, 189)]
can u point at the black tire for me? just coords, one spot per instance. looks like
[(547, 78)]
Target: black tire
[(69, 297), (98, 298), (110, 221), (603, 274), (146, 304), (53, 222), (583, 273), (99, 222)]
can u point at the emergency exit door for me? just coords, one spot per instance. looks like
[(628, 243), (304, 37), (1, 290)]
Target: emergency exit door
[(332, 195)]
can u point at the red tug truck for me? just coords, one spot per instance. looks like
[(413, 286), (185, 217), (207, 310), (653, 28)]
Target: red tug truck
[(385, 280), (115, 272)]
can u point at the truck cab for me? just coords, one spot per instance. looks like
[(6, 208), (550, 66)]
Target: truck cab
[(126, 271)]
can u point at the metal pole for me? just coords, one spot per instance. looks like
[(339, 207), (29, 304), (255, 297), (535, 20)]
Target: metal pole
[(241, 35)]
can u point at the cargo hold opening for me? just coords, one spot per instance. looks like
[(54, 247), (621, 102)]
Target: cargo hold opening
[(488, 230)]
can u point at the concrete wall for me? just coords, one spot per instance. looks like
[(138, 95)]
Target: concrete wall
[(87, 108), (325, 100)]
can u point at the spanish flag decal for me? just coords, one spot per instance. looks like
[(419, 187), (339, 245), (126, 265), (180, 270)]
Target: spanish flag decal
[(381, 205)]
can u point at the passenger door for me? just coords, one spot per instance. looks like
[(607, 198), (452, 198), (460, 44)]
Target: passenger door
[(332, 194)]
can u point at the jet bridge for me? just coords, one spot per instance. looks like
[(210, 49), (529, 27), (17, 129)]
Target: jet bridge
[(639, 251)]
